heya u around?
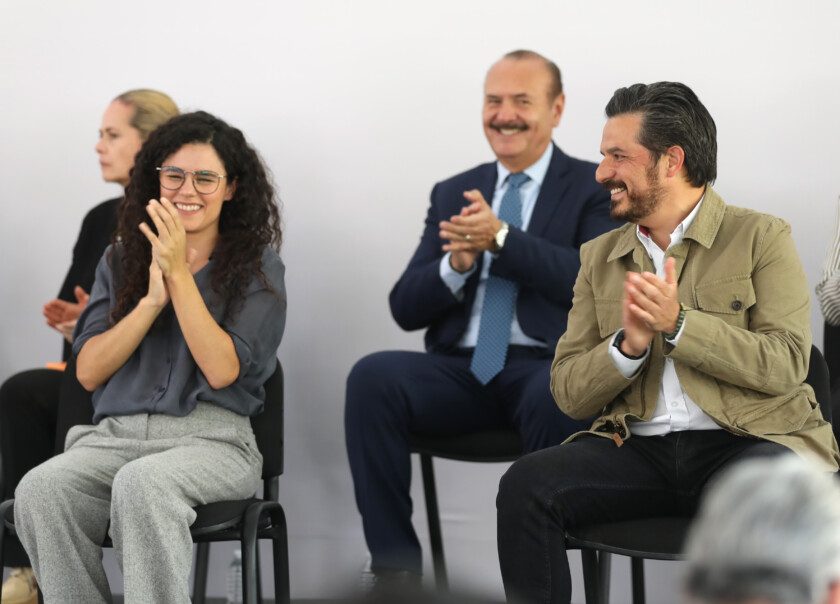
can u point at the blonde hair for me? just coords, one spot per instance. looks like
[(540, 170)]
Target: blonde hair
[(152, 108)]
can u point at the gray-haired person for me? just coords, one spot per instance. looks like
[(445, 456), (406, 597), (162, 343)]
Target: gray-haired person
[(768, 533)]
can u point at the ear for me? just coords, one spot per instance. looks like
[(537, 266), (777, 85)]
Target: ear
[(557, 106), (676, 160), (230, 190)]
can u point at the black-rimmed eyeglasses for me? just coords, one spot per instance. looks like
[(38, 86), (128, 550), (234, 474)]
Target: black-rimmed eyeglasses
[(204, 181)]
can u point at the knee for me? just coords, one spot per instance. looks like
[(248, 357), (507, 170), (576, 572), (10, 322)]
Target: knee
[(136, 485), (371, 384), (38, 487), (524, 484), (13, 393)]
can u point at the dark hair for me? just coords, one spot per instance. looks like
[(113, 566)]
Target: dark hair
[(672, 115), (248, 223), (555, 87)]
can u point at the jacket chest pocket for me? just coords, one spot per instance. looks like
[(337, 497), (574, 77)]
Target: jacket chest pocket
[(728, 298), (608, 311)]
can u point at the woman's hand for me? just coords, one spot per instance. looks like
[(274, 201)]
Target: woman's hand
[(158, 295), (169, 246), (60, 311)]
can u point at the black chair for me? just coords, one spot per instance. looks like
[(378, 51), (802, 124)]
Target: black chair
[(246, 520), (651, 538), (488, 446), (831, 350), (656, 538)]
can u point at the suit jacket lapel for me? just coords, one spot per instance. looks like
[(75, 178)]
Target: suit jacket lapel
[(553, 189)]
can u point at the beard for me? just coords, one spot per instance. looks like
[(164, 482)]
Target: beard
[(638, 205)]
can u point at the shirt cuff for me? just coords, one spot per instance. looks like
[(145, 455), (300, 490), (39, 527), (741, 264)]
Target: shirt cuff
[(453, 279), (626, 367)]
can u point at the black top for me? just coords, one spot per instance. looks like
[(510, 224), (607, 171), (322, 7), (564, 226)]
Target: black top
[(98, 226)]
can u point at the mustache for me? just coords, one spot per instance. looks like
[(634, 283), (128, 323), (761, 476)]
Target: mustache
[(509, 125), (613, 184)]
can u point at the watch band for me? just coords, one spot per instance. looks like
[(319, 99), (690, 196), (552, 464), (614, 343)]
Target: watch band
[(619, 338)]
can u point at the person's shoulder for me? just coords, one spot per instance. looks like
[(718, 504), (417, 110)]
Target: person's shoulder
[(741, 218), (602, 245), (104, 210), (272, 267), (469, 178), (578, 170)]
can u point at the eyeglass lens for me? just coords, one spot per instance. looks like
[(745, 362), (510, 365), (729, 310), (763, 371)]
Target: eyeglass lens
[(173, 178)]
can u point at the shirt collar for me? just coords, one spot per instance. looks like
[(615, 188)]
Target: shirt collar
[(677, 236), (536, 171)]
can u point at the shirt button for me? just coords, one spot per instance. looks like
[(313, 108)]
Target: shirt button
[(674, 405), (736, 305)]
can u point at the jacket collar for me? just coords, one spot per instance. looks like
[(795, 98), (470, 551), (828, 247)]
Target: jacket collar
[(703, 229)]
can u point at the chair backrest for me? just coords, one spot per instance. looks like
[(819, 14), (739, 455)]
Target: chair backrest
[(75, 407), (818, 379), (268, 425)]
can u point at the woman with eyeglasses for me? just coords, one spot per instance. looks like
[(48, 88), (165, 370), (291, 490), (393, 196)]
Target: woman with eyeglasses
[(180, 333), (29, 400)]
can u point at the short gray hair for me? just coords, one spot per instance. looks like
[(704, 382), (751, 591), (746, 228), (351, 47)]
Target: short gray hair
[(768, 528)]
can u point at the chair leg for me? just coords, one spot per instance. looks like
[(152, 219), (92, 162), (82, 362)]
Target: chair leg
[(604, 575), (280, 545), (637, 566), (589, 558), (202, 560), (258, 565), (430, 491)]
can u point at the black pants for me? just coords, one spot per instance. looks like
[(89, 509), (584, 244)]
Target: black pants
[(28, 409), (592, 480), (392, 394), (33, 427)]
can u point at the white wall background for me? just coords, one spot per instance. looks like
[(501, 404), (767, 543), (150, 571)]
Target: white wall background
[(358, 108)]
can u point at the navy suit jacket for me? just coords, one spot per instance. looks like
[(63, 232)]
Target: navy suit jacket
[(570, 210)]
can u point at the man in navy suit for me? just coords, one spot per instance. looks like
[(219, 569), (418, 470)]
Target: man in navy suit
[(467, 255)]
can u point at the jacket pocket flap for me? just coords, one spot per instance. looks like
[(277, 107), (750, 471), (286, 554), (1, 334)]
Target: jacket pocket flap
[(729, 296), (608, 312)]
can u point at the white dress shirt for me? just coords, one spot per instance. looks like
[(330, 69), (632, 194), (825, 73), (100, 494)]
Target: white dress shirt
[(675, 411)]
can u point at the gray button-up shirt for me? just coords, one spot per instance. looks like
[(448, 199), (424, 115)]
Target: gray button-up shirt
[(161, 376)]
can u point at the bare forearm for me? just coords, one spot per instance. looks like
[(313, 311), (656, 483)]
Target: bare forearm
[(211, 347), (104, 354)]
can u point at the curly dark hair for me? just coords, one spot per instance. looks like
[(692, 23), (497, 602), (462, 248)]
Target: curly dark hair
[(248, 223)]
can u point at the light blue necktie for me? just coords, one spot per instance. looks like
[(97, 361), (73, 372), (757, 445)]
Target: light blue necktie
[(499, 298)]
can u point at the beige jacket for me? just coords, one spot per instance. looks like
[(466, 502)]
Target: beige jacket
[(743, 353)]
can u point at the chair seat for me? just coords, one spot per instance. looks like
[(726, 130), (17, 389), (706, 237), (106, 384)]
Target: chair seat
[(502, 444), (653, 538), (210, 518)]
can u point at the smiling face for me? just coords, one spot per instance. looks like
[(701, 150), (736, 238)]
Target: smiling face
[(518, 113), (118, 143), (628, 171), (199, 212)]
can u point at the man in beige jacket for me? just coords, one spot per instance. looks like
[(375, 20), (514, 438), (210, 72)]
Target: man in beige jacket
[(688, 339)]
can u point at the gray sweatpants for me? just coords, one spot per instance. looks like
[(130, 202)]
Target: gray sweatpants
[(143, 473)]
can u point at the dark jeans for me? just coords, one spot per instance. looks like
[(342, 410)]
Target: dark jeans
[(392, 394), (592, 480)]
